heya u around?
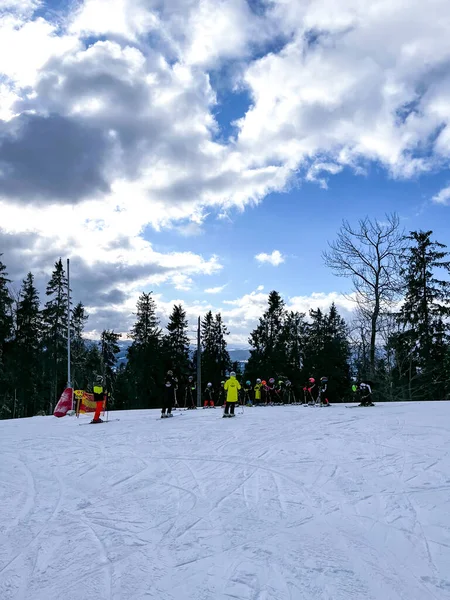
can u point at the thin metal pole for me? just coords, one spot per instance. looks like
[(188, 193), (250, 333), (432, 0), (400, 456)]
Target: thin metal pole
[(69, 380), (199, 368)]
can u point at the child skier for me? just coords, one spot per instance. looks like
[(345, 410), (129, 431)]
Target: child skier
[(289, 396), (232, 387), (312, 392), (279, 392), (209, 396), (170, 384), (190, 394), (323, 396), (99, 398), (257, 390), (247, 393), (221, 401), (365, 394), (271, 392)]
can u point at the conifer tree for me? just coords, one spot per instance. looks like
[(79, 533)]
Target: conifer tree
[(223, 357), (327, 351), (294, 338), (424, 314), (54, 317), (145, 369), (215, 357), (80, 376), (177, 342), (109, 350), (267, 340), (28, 350), (6, 319)]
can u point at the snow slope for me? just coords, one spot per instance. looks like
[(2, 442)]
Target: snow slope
[(285, 503)]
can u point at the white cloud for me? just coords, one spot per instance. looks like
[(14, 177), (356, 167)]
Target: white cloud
[(442, 197), (317, 168), (275, 259), (242, 314), (215, 290), (135, 113)]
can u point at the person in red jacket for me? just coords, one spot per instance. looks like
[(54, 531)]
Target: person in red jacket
[(312, 391)]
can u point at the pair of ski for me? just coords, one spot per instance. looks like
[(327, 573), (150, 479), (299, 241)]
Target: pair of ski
[(161, 418), (99, 422)]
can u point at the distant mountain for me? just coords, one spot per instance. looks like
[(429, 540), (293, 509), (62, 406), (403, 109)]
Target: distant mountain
[(236, 354)]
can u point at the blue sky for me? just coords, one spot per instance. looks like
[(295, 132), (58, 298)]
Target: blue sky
[(164, 146)]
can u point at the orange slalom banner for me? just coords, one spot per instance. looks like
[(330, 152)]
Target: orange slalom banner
[(86, 403)]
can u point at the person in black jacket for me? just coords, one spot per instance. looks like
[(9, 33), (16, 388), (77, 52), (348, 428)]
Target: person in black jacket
[(170, 385), (365, 394), (190, 394), (209, 396)]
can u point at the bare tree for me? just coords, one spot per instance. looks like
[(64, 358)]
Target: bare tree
[(368, 254)]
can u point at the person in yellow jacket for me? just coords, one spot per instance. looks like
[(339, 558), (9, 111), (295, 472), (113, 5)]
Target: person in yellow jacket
[(257, 389), (231, 387)]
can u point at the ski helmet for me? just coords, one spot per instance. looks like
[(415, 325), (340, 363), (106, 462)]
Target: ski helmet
[(99, 378), (222, 382), (311, 380), (209, 385), (263, 382), (169, 372), (271, 380), (324, 379), (288, 383), (248, 383), (232, 374), (258, 380), (190, 378), (280, 382)]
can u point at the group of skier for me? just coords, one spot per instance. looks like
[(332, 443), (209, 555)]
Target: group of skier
[(231, 392), (230, 388)]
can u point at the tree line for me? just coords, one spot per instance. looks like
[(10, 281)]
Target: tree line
[(399, 337)]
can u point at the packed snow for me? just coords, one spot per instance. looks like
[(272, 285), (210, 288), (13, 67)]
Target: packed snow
[(280, 503)]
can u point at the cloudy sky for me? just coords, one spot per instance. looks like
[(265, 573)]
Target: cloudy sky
[(208, 149)]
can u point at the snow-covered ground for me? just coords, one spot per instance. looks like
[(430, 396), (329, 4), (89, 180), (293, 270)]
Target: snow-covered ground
[(285, 503)]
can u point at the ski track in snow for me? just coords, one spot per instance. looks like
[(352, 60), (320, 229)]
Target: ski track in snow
[(280, 503)]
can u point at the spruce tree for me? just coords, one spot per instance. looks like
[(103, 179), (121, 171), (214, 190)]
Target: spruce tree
[(109, 350), (294, 338), (268, 344), (145, 368), (28, 350), (177, 342), (54, 316), (424, 314), (327, 351), (215, 358), (6, 318), (223, 358), (209, 349), (80, 376)]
